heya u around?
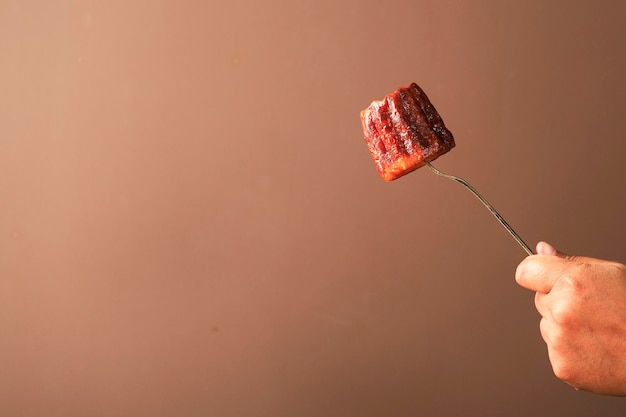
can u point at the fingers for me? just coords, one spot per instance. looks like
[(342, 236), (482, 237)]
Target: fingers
[(541, 304), (540, 272), (545, 329), (544, 248)]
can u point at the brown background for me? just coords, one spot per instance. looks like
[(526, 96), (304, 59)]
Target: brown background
[(191, 224)]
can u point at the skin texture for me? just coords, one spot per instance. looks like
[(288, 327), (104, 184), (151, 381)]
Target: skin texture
[(582, 302)]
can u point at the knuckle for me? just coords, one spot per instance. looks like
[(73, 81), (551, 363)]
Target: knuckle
[(544, 330), (563, 366), (562, 315), (575, 281), (564, 371), (620, 269)]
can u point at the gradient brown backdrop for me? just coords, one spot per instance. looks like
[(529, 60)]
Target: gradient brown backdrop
[(191, 224)]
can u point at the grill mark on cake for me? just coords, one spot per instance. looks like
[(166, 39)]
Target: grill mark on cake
[(423, 137), (392, 129), (386, 129), (425, 104), (402, 130), (373, 139), (433, 117), (373, 134), (409, 117)]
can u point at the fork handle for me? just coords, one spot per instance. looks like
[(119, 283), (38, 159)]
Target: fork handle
[(485, 203)]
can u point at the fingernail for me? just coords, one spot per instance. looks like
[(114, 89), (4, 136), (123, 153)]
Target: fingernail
[(544, 248)]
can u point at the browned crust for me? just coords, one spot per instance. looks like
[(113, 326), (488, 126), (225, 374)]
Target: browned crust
[(402, 130)]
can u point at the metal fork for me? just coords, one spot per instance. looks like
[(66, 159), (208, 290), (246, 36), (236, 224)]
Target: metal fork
[(485, 203)]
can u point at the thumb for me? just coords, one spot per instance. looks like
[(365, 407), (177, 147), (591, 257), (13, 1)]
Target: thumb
[(539, 272), (544, 248)]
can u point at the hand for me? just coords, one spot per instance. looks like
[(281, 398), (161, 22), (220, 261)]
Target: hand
[(582, 302)]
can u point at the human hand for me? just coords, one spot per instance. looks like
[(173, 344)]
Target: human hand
[(582, 302)]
